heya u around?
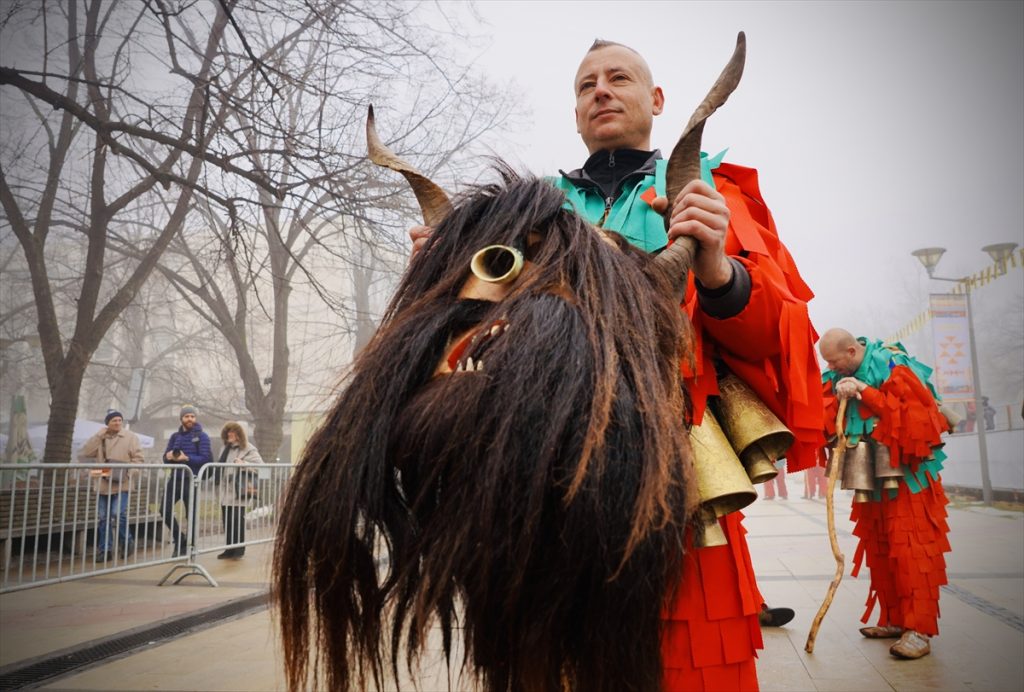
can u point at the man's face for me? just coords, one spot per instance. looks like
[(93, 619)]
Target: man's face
[(115, 424), (844, 361), (188, 420), (615, 101)]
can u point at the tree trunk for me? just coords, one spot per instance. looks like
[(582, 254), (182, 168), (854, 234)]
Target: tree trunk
[(268, 432), (63, 412)]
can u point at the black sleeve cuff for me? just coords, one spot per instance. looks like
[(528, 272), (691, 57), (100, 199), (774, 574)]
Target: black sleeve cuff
[(728, 300)]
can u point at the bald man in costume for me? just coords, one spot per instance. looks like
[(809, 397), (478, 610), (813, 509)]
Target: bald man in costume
[(902, 532)]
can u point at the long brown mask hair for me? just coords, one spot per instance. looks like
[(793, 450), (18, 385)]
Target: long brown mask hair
[(539, 502)]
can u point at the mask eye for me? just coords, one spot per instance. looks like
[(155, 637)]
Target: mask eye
[(497, 264)]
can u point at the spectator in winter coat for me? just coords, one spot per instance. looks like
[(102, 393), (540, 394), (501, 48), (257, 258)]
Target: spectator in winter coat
[(234, 487), (190, 447), (115, 445)]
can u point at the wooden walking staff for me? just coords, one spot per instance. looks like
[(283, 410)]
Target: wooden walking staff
[(833, 471)]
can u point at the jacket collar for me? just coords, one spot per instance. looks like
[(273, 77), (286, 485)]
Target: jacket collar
[(608, 170)]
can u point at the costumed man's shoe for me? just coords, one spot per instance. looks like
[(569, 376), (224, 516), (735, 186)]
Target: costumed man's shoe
[(911, 645), (775, 617), (888, 632)]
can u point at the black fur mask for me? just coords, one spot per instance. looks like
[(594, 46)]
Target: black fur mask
[(539, 501)]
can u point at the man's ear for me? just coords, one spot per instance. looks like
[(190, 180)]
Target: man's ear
[(576, 115), (657, 100)]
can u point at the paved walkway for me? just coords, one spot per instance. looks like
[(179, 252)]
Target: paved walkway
[(981, 647)]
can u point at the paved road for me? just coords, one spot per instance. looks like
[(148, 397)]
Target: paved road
[(981, 646)]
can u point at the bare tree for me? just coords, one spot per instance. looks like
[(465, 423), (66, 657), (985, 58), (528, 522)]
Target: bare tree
[(112, 109), (95, 144), (340, 209)]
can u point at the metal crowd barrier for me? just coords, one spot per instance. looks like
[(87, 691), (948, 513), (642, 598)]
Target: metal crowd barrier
[(52, 519)]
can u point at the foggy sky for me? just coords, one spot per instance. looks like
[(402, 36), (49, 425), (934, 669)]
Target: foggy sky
[(877, 128)]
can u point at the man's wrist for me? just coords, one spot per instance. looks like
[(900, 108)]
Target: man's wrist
[(729, 299), (720, 277)]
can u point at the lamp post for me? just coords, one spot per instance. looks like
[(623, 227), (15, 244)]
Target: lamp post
[(999, 252)]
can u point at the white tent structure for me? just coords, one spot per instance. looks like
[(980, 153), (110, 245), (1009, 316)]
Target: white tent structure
[(84, 429)]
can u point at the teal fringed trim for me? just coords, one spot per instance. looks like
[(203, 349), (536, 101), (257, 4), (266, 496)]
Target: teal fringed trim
[(927, 473)]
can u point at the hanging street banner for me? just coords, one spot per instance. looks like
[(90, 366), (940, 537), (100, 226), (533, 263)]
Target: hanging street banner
[(952, 347)]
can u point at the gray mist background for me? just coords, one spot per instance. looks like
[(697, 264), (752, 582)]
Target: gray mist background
[(877, 127)]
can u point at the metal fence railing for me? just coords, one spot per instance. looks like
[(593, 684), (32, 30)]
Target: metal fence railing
[(60, 522)]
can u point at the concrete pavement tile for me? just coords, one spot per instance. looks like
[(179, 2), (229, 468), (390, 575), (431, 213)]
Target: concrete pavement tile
[(778, 667), (839, 684), (186, 663), (1007, 592), (790, 552)]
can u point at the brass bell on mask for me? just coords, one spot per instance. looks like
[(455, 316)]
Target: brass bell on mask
[(859, 471), (757, 434), (884, 472), (722, 483)]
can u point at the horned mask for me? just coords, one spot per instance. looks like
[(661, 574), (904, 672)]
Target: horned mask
[(508, 456)]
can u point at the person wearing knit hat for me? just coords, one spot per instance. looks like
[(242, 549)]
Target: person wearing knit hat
[(188, 446), (112, 445)]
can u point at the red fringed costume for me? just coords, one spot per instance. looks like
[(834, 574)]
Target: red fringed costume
[(903, 534), (711, 629)]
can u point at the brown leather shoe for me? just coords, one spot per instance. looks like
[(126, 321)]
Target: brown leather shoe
[(887, 632), (911, 645)]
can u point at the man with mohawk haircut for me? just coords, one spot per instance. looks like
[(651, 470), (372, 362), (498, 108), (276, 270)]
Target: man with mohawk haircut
[(748, 307)]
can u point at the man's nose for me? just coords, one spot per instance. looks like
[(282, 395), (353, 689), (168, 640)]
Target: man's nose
[(602, 90)]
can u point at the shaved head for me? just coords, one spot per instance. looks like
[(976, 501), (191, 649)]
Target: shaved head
[(836, 338), (841, 351)]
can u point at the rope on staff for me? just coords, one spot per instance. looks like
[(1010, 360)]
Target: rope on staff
[(833, 472)]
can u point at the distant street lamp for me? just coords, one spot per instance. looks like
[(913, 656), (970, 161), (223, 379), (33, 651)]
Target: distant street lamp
[(999, 252)]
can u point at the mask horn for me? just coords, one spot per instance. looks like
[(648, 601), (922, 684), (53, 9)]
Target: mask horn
[(432, 199), (684, 163)]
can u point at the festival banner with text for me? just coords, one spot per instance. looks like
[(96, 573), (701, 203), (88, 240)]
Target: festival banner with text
[(952, 347)]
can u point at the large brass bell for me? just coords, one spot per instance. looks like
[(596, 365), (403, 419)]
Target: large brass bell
[(757, 434), (709, 532), (884, 472), (722, 483), (859, 471)]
